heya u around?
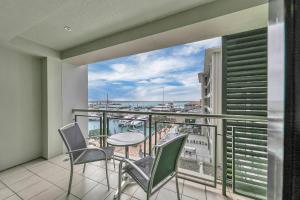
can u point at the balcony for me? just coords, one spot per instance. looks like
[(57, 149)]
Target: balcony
[(45, 49), (48, 179), (203, 160)]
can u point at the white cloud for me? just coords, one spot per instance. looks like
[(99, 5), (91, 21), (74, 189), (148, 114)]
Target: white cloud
[(152, 70), (195, 47), (172, 93), (119, 67)]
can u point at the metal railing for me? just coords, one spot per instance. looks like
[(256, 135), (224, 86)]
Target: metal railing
[(104, 129)]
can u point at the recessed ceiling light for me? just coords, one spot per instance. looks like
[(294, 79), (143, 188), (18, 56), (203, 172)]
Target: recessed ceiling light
[(67, 28)]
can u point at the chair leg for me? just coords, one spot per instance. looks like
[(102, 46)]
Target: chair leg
[(177, 188), (71, 179), (83, 170), (107, 178), (114, 162), (119, 183), (148, 196)]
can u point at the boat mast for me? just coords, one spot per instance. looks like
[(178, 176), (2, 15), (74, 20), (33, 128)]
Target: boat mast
[(106, 100), (163, 95)]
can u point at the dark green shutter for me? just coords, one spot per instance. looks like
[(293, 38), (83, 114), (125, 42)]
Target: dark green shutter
[(245, 93)]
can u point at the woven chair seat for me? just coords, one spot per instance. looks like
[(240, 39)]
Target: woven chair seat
[(145, 164), (92, 155)]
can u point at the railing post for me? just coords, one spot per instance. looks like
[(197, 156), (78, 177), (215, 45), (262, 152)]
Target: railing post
[(103, 127), (215, 152), (224, 182), (145, 134), (155, 133), (100, 130), (107, 126), (233, 159), (150, 135)]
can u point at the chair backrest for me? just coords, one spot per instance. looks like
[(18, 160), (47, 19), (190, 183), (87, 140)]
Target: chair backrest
[(166, 160), (73, 138)]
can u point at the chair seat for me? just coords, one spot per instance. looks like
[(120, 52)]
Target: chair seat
[(92, 155), (145, 164)]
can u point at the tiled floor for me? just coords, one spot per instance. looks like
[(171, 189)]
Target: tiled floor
[(47, 180)]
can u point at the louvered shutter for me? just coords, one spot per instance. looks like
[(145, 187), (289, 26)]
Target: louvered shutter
[(245, 93)]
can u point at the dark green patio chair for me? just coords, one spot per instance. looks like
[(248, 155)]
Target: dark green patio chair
[(152, 173), (78, 151)]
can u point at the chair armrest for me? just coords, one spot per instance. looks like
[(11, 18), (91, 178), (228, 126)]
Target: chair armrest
[(134, 166), (90, 148), (76, 150)]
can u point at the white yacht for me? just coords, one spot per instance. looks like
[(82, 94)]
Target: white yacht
[(126, 120), (139, 121)]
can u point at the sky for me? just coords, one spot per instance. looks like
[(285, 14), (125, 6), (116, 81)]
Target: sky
[(144, 76)]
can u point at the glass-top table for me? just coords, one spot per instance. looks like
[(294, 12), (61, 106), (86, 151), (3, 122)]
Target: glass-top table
[(125, 139)]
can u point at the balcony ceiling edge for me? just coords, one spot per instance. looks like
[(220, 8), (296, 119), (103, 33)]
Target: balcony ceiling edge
[(190, 21)]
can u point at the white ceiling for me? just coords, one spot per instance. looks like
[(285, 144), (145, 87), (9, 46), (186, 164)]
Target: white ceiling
[(43, 21)]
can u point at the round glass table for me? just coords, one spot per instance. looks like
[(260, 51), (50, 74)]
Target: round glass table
[(125, 139)]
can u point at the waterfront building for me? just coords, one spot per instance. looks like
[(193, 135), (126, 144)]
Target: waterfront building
[(211, 92)]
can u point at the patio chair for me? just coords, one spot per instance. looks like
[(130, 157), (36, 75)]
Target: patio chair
[(152, 173), (79, 153)]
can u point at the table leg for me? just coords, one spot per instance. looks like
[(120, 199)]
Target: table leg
[(126, 152), (126, 179)]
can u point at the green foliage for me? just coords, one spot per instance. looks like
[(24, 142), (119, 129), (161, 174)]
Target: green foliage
[(94, 133)]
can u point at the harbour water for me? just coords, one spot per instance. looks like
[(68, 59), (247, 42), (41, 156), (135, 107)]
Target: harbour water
[(115, 128)]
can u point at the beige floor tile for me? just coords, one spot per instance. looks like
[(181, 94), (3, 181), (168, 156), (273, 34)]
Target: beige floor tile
[(34, 163), (60, 159), (193, 190), (111, 167), (97, 193), (186, 198), (83, 187), (140, 194), (164, 194), (123, 196), (5, 193), (171, 185), (55, 174), (34, 190), (14, 175), (2, 186), (64, 182), (13, 197), (13, 170), (25, 182), (113, 180), (214, 190), (50, 194), (95, 173), (131, 189), (214, 196), (42, 167), (65, 196)]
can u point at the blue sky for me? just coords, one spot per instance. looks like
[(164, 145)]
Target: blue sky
[(141, 77)]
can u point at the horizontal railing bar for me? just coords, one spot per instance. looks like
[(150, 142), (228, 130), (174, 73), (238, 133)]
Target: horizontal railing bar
[(217, 116), (182, 123)]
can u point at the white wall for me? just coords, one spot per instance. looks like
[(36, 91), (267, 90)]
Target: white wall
[(20, 107), (36, 98), (75, 92), (51, 106)]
